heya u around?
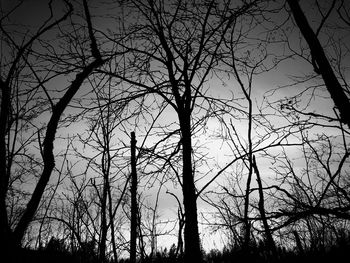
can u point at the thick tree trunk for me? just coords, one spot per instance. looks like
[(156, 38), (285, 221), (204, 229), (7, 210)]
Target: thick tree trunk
[(193, 251), (5, 231), (133, 191), (321, 63)]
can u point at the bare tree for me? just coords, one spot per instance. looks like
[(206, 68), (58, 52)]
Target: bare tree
[(175, 48)]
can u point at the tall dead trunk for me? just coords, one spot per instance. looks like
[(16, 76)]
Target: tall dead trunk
[(321, 62), (133, 192)]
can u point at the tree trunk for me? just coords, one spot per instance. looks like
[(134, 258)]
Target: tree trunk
[(102, 246), (321, 63), (48, 157), (193, 251), (133, 192), (111, 222), (246, 222), (181, 218), (5, 231), (268, 235)]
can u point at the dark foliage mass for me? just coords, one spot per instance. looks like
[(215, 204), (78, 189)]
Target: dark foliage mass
[(57, 252)]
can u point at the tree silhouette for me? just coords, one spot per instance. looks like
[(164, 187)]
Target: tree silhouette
[(21, 62), (172, 54)]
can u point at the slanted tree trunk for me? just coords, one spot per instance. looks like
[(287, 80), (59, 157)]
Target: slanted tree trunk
[(8, 238), (48, 157), (14, 238), (321, 63)]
